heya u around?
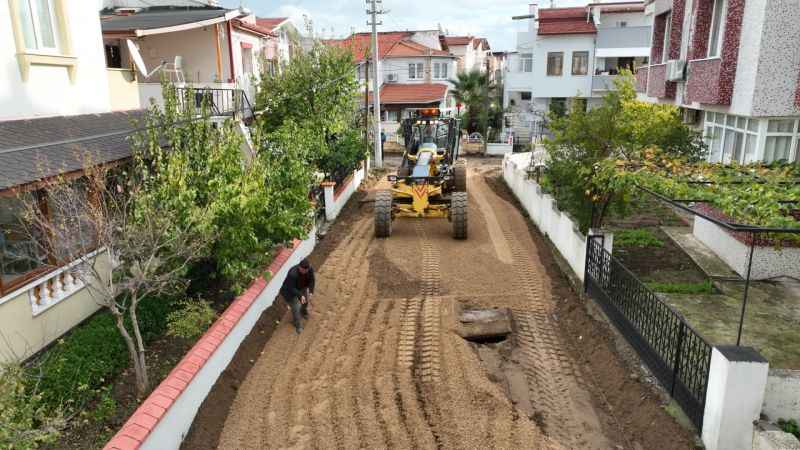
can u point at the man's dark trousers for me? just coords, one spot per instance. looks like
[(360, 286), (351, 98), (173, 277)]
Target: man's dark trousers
[(299, 310)]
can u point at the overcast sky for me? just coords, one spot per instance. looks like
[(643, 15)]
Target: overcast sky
[(336, 18)]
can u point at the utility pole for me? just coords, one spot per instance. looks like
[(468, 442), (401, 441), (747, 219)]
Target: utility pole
[(366, 102), (373, 12)]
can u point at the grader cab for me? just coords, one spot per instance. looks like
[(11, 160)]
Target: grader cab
[(431, 181)]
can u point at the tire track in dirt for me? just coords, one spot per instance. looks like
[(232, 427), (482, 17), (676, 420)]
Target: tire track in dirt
[(553, 381), (346, 420), (322, 430)]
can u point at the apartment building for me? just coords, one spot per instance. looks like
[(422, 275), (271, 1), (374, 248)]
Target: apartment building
[(733, 67), (56, 111), (573, 55)]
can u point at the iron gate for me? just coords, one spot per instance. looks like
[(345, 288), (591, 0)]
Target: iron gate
[(675, 353)]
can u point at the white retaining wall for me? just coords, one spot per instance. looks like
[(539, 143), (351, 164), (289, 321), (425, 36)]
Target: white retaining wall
[(782, 396), (335, 199), (541, 207), (499, 149), (174, 425), (768, 262)]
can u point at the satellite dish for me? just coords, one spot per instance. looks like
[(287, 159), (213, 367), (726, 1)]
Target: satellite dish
[(139, 62)]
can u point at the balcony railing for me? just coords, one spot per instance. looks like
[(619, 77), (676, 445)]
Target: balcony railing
[(629, 37), (604, 82), (221, 102)]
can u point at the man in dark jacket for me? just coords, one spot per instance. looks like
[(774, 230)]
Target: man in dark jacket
[(297, 289)]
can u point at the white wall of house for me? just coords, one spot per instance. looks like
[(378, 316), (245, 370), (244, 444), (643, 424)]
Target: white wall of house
[(400, 67), (428, 38), (48, 90), (632, 19), (566, 85)]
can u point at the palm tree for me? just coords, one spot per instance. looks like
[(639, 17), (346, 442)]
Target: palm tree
[(476, 91)]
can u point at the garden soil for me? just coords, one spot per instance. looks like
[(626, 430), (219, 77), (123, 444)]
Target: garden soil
[(381, 364)]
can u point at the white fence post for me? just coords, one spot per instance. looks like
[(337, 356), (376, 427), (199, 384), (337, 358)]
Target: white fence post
[(736, 382), (330, 201)]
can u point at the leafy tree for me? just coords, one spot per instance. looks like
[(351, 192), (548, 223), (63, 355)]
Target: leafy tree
[(318, 94), (588, 147)]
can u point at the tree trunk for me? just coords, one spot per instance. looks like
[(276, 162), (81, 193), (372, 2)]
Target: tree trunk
[(143, 382), (141, 375)]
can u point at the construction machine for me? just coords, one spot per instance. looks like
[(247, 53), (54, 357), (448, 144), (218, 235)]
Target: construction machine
[(431, 181)]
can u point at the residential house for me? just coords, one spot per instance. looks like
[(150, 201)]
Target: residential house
[(732, 66), (220, 50), (497, 65), (414, 72), (56, 110), (472, 53), (288, 38), (572, 55)]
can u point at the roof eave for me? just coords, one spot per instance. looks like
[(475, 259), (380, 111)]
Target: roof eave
[(232, 14)]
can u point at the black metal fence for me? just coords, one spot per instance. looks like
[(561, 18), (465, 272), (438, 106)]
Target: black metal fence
[(221, 102), (676, 354)]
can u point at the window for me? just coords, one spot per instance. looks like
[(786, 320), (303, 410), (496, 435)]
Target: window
[(415, 71), (526, 62), (730, 138), (717, 28), (555, 63), (38, 26), (580, 63), (622, 24), (392, 116), (781, 135), (440, 71), (113, 56), (667, 32), (247, 60), (20, 258), (558, 107), (525, 96)]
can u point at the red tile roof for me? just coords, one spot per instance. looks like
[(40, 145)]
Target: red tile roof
[(405, 48), (565, 21), (393, 94), (270, 23), (392, 44), (458, 40), (252, 28)]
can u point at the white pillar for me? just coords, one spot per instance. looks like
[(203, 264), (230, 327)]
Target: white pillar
[(330, 202), (736, 383)]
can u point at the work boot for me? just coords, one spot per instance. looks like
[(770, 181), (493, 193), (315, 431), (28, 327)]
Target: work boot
[(299, 329)]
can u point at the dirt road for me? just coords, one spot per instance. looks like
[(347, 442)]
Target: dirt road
[(380, 363)]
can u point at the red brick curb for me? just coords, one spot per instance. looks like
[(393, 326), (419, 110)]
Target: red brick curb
[(147, 416)]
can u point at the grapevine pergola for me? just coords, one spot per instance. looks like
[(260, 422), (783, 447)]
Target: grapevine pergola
[(787, 185)]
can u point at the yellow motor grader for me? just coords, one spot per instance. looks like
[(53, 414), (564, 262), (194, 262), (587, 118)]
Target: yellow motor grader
[(431, 181)]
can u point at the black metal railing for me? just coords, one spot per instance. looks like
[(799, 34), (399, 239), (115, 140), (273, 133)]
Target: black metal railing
[(674, 352), (220, 102)]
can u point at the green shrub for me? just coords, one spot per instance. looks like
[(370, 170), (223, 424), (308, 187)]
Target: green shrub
[(191, 319), (24, 421), (790, 426), (704, 287), (636, 238), (92, 354)]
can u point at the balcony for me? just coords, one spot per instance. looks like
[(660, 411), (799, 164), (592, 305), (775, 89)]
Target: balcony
[(705, 83), (641, 79), (123, 89), (657, 84), (629, 41), (604, 82)]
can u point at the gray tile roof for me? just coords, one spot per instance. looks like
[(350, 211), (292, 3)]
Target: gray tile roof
[(148, 20), (34, 149)]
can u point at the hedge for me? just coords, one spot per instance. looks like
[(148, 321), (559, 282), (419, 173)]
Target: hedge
[(92, 354)]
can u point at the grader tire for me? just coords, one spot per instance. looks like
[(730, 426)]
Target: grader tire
[(460, 176), (383, 214), (458, 214)]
